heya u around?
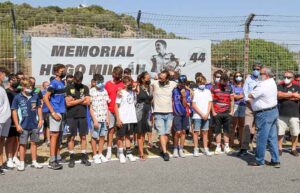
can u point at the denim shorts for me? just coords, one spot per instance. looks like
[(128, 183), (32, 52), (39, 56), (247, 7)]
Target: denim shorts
[(201, 124), (181, 123), (239, 110), (99, 132), (163, 123), (33, 134)]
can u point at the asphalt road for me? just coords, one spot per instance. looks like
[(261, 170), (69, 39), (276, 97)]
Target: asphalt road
[(218, 174)]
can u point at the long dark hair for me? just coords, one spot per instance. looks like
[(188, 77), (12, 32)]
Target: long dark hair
[(141, 77)]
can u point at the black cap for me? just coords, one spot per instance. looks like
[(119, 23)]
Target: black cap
[(182, 79)]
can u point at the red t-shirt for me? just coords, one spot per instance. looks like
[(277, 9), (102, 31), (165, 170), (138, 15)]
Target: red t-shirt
[(112, 89), (221, 98)]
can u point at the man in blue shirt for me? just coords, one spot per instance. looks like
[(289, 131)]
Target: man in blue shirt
[(55, 101), (181, 110), (248, 131), (26, 107)]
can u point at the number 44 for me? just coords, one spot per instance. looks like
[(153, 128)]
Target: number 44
[(195, 57)]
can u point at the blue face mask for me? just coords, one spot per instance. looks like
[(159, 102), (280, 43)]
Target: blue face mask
[(201, 87), (100, 86), (255, 73)]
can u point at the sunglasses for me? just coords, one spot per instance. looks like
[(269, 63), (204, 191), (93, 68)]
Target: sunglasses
[(238, 76), (256, 69), (287, 77)]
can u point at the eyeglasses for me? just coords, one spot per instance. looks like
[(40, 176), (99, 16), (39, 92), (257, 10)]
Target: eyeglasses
[(287, 77)]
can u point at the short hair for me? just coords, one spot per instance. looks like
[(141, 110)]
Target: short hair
[(31, 77), (269, 71), (141, 77), (126, 79), (98, 77), (290, 72), (167, 74), (11, 76), (69, 76), (78, 76), (201, 80), (44, 83), (127, 71), (117, 70), (20, 73), (4, 70), (163, 42), (25, 82), (57, 67), (224, 77), (218, 72)]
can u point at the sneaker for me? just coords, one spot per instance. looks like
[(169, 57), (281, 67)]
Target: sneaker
[(218, 150), (97, 159), (21, 167), (10, 164), (293, 152), (1, 171), (108, 155), (103, 158), (36, 165), (166, 157), (227, 149), (242, 153), (181, 153), (175, 153), (54, 165), (196, 152), (72, 161), (62, 161), (207, 152), (85, 160), (131, 157), (16, 161), (273, 164), (122, 158)]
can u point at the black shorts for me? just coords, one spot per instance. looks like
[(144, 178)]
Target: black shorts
[(78, 124), (180, 123), (13, 132), (126, 129), (222, 121), (46, 120)]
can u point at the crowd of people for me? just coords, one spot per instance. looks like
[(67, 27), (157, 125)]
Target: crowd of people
[(229, 109)]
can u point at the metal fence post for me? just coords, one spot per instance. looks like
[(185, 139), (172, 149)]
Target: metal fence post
[(247, 43), (14, 39)]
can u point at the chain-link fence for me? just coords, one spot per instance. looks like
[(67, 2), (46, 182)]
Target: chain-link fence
[(273, 40)]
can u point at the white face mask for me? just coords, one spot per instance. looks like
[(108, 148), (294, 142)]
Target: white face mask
[(287, 81), (217, 80)]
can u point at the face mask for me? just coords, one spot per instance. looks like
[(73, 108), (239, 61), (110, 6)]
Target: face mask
[(5, 79), (62, 75), (201, 87), (100, 86), (255, 73), (77, 85), (15, 85), (217, 80), (287, 81), (238, 79), (28, 91), (148, 82), (129, 87)]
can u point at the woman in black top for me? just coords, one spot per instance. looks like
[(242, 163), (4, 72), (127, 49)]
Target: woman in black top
[(143, 110)]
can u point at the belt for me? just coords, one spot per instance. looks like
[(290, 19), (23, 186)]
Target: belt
[(267, 109)]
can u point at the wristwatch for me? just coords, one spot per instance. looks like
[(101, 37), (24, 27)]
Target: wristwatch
[(53, 113)]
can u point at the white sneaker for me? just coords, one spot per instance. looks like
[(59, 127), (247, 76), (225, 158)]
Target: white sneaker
[(108, 155), (10, 164), (227, 150), (21, 167), (97, 159), (122, 158), (102, 158), (131, 157), (218, 150), (16, 161), (181, 153), (196, 152), (175, 153), (36, 165), (207, 152)]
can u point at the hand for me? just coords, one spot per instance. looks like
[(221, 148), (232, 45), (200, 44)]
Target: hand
[(56, 117), (119, 123), (40, 124), (205, 117), (19, 129), (96, 125), (107, 122), (231, 113), (182, 92), (214, 114)]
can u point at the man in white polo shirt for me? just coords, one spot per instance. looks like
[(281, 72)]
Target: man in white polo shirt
[(264, 104)]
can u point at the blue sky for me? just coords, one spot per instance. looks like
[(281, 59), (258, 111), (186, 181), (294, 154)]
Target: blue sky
[(185, 7)]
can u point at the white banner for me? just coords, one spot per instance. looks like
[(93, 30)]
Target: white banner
[(96, 55)]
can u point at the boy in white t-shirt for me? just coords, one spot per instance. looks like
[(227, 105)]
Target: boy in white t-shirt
[(202, 103), (100, 116), (126, 117)]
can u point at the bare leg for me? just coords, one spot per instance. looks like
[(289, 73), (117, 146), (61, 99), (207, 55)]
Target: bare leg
[(101, 144), (33, 150), (195, 137), (94, 146)]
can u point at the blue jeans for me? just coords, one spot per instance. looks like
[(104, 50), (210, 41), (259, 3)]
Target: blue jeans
[(266, 124)]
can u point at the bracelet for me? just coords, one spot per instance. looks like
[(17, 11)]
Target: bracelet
[(53, 113)]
